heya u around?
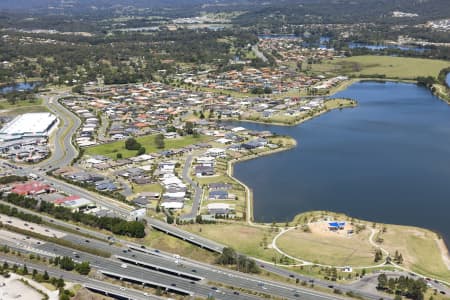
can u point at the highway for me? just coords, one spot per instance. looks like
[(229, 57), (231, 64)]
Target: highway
[(204, 270), (180, 283), (162, 269), (92, 284)]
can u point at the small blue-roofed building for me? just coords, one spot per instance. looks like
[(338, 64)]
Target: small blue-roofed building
[(334, 226)]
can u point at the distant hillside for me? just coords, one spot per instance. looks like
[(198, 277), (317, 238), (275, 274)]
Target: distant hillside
[(257, 11)]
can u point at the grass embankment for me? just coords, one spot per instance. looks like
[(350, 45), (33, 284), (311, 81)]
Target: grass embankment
[(389, 66), (419, 248), (148, 141), (21, 107), (442, 92), (335, 250), (245, 239), (151, 187), (164, 242)]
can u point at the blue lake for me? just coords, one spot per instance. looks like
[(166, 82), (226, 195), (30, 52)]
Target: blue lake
[(22, 86), (387, 160), (382, 47)]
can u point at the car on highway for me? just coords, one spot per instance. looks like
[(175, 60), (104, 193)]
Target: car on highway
[(124, 266)]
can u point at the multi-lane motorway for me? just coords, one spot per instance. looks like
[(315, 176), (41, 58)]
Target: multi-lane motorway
[(167, 263)]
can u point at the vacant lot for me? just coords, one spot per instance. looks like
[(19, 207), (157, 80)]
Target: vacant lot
[(330, 248), (172, 244), (391, 67), (21, 107), (111, 149), (419, 249), (245, 239)]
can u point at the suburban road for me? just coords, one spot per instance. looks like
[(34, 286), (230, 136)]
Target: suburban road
[(63, 150), (198, 192)]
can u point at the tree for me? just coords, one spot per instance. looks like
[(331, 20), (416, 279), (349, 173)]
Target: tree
[(267, 90), (141, 151), (378, 255), (159, 141), (46, 277), (382, 281), (171, 129), (119, 155), (67, 263), (132, 144), (189, 128), (84, 268), (78, 89)]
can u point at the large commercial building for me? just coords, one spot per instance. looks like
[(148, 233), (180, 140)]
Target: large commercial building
[(28, 125)]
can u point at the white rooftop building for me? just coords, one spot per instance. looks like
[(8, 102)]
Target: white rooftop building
[(28, 125)]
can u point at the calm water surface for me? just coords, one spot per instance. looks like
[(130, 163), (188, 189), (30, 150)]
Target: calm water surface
[(21, 86), (388, 160)]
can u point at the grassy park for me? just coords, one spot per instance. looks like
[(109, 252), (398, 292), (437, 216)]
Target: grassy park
[(111, 149), (21, 107), (244, 238), (390, 66), (328, 248), (419, 248)]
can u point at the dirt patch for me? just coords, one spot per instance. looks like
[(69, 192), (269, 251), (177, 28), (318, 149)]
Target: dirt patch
[(85, 294), (322, 229), (444, 252)]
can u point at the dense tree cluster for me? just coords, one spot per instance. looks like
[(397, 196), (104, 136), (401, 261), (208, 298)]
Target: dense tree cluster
[(115, 225), (118, 58), (12, 178), (244, 264), (14, 212), (132, 144), (68, 264), (409, 287)]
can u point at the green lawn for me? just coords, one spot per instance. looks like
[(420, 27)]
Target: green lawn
[(245, 239), (328, 249), (111, 149), (392, 67), (419, 249), (172, 244), (21, 107), (151, 187)]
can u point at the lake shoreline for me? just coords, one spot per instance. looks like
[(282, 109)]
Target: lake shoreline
[(251, 201)]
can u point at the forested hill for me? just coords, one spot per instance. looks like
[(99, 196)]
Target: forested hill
[(290, 11), (345, 11)]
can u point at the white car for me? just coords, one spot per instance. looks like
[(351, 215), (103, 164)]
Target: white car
[(124, 266)]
